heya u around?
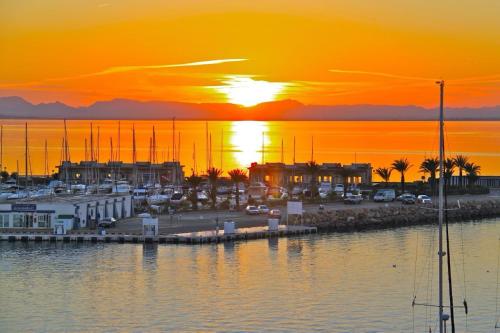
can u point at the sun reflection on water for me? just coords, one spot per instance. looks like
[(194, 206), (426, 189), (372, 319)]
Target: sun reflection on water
[(246, 139)]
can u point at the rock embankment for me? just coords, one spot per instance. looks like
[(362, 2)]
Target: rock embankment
[(400, 216)]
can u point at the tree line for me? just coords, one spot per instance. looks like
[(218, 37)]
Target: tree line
[(466, 169)]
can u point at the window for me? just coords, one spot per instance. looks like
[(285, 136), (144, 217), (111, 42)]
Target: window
[(43, 220), (4, 221), (18, 220)]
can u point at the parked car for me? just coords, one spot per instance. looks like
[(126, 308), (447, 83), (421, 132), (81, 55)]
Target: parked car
[(107, 222), (424, 199), (275, 213), (405, 195), (339, 188), (385, 195), (409, 200), (353, 199), (263, 209), (252, 210)]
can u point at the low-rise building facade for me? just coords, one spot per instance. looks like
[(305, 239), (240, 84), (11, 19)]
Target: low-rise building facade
[(70, 211), (280, 174), (139, 173)]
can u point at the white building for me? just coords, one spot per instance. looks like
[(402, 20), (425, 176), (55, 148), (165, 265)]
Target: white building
[(68, 211)]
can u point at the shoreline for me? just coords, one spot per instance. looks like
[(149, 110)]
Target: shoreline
[(397, 217)]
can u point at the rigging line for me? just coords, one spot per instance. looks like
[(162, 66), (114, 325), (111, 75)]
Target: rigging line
[(423, 270), (414, 284), (496, 292), (430, 277), (463, 270)]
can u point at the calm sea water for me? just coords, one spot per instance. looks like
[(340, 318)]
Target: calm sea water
[(236, 144), (361, 282)]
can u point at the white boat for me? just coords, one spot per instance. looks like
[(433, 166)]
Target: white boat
[(202, 196), (140, 194), (41, 193), (157, 199), (78, 188), (5, 195), (90, 189), (106, 186), (177, 198), (122, 187), (18, 195)]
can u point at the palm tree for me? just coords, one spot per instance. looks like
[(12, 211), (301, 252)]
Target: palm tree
[(237, 176), (449, 169), (431, 165), (194, 181), (213, 175), (384, 173), (402, 166), (312, 168), (472, 171), (460, 162)]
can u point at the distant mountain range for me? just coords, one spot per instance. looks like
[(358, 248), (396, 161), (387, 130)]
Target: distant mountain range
[(17, 107)]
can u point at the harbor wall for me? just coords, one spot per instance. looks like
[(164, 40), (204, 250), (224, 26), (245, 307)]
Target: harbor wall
[(399, 216)]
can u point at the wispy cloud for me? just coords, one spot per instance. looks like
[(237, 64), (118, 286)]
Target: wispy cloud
[(389, 75), (122, 69)]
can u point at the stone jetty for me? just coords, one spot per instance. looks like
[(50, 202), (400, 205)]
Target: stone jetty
[(398, 216)]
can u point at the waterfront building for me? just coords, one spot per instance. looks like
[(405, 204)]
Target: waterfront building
[(68, 211), (485, 181), (139, 173), (280, 174)]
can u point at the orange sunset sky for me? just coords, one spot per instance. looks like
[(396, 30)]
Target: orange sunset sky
[(317, 52)]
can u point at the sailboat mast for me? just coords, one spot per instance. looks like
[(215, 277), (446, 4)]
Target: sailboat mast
[(312, 148), (134, 154), (282, 156), (118, 157), (46, 164), (195, 169), (98, 142), (1, 147), (26, 156), (91, 142), (441, 203), (111, 149), (206, 146), (173, 139), (221, 148), (262, 157), (179, 146)]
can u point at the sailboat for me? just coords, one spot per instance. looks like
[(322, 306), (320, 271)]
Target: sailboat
[(443, 222)]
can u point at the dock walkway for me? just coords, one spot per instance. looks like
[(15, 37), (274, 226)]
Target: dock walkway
[(199, 237)]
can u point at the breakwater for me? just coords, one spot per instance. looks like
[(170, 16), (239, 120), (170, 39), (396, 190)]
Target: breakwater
[(391, 217)]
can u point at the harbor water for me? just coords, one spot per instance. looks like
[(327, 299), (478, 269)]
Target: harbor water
[(353, 282), (237, 144)]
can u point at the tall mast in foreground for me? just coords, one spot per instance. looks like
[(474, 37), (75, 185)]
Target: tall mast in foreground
[(441, 202)]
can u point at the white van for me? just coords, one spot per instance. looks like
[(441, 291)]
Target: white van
[(385, 195)]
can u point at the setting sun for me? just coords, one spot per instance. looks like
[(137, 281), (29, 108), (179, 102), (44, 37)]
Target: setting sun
[(248, 92)]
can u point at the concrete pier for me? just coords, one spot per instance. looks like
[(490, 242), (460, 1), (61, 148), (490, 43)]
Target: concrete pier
[(200, 237)]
